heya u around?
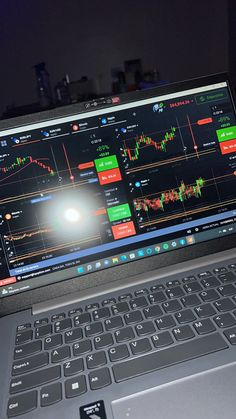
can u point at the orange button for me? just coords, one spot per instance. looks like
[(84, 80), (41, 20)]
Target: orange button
[(205, 121), (123, 230), (101, 211), (109, 176), (228, 147), (86, 165)]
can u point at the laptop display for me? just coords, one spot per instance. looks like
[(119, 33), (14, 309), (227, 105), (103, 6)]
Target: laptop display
[(87, 192)]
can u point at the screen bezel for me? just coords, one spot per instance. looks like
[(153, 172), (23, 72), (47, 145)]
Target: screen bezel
[(24, 300)]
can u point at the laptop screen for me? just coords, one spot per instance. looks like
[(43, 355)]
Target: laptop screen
[(86, 192)]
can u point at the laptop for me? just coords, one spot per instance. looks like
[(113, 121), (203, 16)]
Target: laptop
[(118, 264)]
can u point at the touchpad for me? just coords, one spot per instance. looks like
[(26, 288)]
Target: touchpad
[(209, 395)]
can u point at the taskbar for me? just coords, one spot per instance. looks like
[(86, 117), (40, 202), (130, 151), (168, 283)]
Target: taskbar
[(190, 239)]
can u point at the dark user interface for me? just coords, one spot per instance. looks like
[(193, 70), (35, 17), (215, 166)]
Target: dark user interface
[(81, 190)]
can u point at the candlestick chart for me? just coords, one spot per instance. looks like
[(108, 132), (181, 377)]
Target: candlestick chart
[(143, 141), (188, 196)]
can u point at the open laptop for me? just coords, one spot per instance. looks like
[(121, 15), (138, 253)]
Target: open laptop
[(118, 265)]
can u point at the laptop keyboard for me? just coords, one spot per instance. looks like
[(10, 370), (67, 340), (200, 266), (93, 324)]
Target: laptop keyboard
[(117, 339)]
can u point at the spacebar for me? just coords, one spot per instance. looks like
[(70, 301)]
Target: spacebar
[(167, 357)]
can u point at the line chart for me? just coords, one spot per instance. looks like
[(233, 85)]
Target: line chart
[(49, 249)]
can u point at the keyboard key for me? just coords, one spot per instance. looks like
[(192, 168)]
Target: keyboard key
[(93, 306), (138, 302), (30, 364), (157, 297), (75, 386), (209, 295), (165, 322), (185, 316), (227, 277), (22, 404), (172, 283), (50, 395), (145, 328), (99, 378), (191, 300), (225, 304), (23, 337), (231, 335), (113, 323), (58, 317), (43, 331), (124, 334), (73, 335), (120, 308), (35, 379), (210, 282), (109, 301), (220, 270), (73, 367), (171, 306), (152, 312), (183, 333), (63, 325), (125, 297), (204, 326), (27, 349), (23, 327), (159, 287), (143, 291), (227, 290), (118, 353), (140, 346), (102, 313), (60, 354), (52, 342), (205, 310), (192, 287), (83, 347), (175, 292), (170, 356), (75, 311), (133, 317), (225, 320), (82, 319), (162, 339), (41, 322), (96, 360), (204, 274), (103, 341), (187, 279), (93, 329)]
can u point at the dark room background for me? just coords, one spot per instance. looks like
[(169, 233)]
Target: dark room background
[(181, 38)]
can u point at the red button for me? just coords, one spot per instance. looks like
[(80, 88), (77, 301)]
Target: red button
[(7, 281), (109, 176), (228, 147), (123, 230)]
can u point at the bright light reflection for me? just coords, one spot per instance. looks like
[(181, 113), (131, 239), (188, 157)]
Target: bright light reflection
[(72, 215)]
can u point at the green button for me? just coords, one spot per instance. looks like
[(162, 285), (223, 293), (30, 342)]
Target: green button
[(106, 163), (210, 97), (226, 134), (119, 212)]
